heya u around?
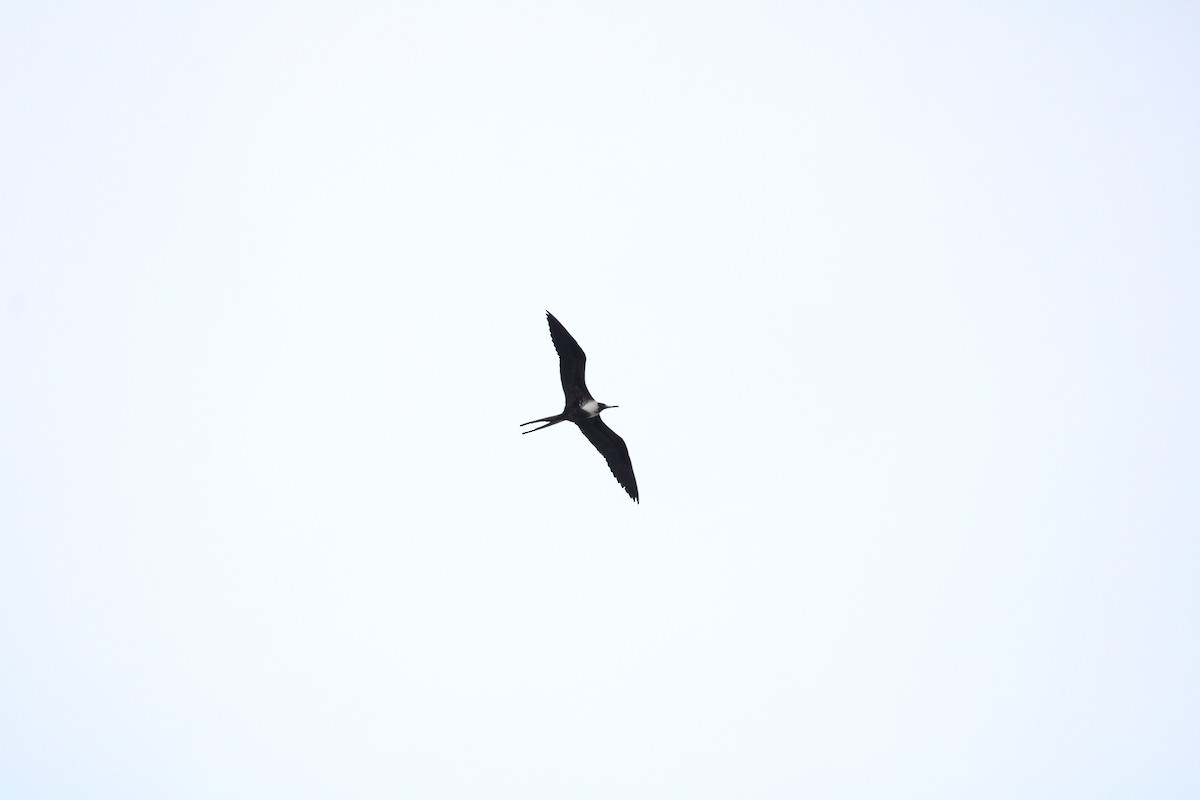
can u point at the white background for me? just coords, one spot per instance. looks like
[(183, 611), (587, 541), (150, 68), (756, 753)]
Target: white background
[(900, 306)]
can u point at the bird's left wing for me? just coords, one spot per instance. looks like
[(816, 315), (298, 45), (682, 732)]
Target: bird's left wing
[(571, 360), (613, 448)]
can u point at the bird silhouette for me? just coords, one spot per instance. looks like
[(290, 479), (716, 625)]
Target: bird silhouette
[(584, 411)]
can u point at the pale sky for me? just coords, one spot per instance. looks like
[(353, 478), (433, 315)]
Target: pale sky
[(901, 307)]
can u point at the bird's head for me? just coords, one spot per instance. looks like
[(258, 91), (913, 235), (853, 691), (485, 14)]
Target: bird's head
[(604, 406)]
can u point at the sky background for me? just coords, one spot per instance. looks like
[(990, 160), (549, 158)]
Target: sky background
[(901, 305)]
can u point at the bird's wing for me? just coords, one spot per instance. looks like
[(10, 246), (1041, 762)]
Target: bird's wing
[(613, 448), (571, 360)]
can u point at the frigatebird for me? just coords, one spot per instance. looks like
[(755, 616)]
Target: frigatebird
[(583, 410)]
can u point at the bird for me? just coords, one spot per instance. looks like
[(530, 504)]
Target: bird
[(584, 411)]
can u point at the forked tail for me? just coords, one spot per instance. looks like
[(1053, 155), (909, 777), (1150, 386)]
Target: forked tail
[(557, 418)]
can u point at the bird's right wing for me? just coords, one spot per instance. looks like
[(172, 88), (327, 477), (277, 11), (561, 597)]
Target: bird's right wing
[(571, 360), (613, 448)]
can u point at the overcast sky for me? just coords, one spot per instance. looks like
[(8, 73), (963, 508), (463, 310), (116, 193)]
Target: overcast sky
[(900, 304)]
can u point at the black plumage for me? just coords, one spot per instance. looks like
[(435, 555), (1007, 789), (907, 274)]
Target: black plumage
[(583, 410)]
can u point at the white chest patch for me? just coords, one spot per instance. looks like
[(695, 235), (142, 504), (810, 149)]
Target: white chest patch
[(590, 407)]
